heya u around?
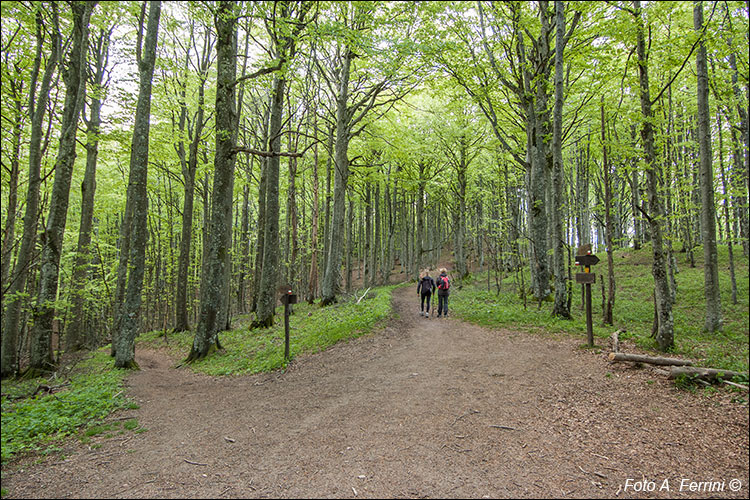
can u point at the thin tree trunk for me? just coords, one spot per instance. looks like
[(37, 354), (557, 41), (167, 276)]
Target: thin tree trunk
[(560, 307), (213, 291), (742, 169), (182, 322), (9, 232), (12, 314), (312, 291), (260, 230), (727, 225), (129, 323), (708, 208), (341, 179), (77, 337), (367, 254), (42, 359), (662, 292), (460, 250), (270, 271), (610, 301)]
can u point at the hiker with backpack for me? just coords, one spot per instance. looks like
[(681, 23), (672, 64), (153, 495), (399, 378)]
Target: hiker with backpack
[(443, 291), (424, 288)]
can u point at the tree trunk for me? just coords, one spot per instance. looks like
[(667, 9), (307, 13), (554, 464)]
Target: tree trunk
[(129, 323), (291, 217), (182, 322), (560, 307), (662, 292), (610, 301), (537, 139), (270, 271), (213, 291), (367, 257), (708, 208), (727, 224), (341, 179), (378, 249), (349, 243), (9, 232), (460, 250), (41, 359), (742, 169), (329, 173), (261, 232), (636, 200), (14, 301), (312, 291), (77, 338), (419, 236)]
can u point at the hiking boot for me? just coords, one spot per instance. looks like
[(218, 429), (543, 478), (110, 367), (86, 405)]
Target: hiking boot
[(426, 315), (421, 313)]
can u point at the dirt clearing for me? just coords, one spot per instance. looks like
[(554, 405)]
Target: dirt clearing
[(423, 408)]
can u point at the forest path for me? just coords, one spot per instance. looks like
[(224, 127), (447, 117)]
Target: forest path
[(422, 408)]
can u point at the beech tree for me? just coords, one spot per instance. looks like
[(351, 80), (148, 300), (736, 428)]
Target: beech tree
[(37, 108), (136, 209), (708, 206), (284, 50), (659, 269), (77, 335), (52, 242)]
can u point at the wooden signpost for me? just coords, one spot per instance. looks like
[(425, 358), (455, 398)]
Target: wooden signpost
[(586, 278), (287, 299)]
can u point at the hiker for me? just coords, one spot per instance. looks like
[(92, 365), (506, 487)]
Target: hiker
[(443, 290), (425, 286)]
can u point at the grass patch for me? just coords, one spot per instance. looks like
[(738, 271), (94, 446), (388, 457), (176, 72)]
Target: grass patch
[(131, 424), (633, 310), (312, 329), (40, 422)]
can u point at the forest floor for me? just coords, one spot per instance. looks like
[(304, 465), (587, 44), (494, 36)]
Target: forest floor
[(421, 408)]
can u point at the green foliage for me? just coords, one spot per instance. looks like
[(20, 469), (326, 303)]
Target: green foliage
[(37, 423), (633, 311), (312, 329)]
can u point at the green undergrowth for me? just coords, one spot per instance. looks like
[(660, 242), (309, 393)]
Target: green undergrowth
[(35, 420), (633, 311), (312, 328)]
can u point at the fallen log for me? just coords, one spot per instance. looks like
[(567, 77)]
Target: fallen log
[(709, 374), (638, 358)]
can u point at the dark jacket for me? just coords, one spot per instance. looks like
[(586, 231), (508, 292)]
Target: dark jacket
[(440, 291), (428, 288)]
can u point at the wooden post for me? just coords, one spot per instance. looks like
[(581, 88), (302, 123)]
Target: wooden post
[(587, 278), (286, 330), (589, 320), (287, 299)]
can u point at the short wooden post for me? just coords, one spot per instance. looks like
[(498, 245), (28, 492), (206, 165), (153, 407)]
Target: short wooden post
[(587, 278), (287, 299)]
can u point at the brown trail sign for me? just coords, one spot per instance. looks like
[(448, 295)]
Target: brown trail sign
[(586, 278)]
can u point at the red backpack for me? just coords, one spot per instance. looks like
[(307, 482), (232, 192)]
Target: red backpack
[(444, 283)]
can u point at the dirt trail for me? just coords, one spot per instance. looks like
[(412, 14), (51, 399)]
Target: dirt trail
[(423, 408)]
